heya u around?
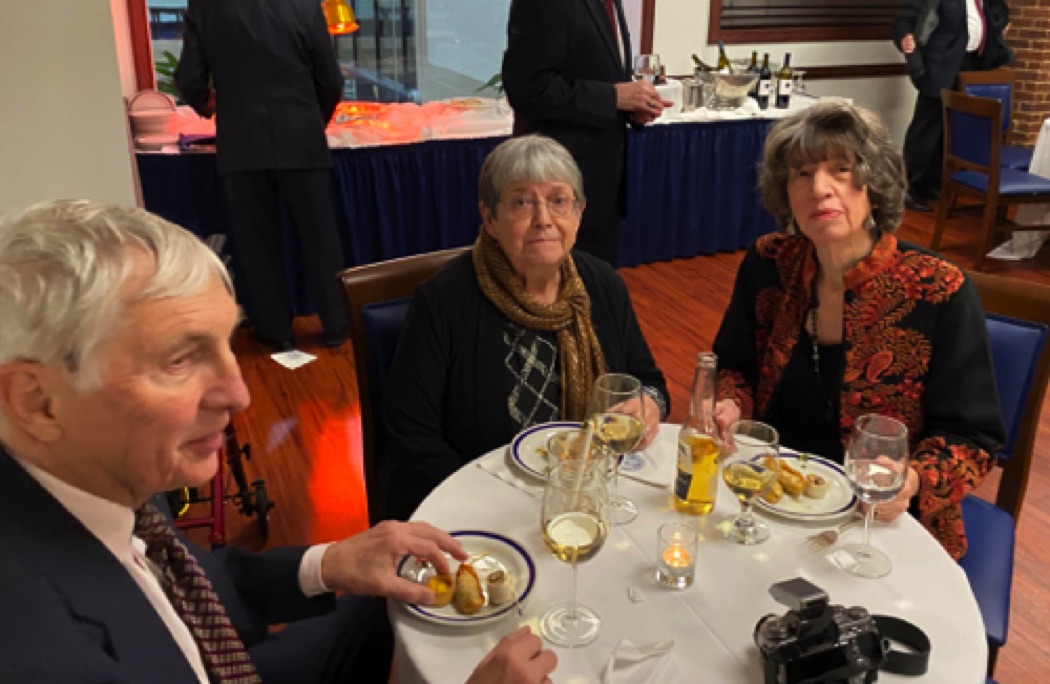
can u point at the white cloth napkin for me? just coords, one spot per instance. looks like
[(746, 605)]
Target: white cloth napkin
[(637, 664), (643, 466), (496, 465)]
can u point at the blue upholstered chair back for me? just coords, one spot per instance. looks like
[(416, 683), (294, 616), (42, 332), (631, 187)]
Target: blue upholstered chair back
[(1017, 321), (997, 91), (378, 297), (383, 322), (1016, 346), (971, 137)]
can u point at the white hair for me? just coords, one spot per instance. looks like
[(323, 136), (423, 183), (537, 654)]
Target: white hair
[(62, 266)]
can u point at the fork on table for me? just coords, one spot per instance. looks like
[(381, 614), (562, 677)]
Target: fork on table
[(822, 540)]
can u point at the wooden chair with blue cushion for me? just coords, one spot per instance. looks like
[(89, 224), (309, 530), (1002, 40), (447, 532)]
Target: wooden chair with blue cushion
[(998, 84), (972, 152), (1017, 319), (377, 298)]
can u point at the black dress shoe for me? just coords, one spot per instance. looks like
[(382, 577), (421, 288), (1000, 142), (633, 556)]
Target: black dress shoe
[(275, 343), (913, 203), (333, 341)]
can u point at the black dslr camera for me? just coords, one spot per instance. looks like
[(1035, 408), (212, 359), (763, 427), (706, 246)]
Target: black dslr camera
[(818, 642)]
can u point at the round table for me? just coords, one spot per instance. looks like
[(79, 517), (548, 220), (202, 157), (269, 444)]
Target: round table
[(712, 623)]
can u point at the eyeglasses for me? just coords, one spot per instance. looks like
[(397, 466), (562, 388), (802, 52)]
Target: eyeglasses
[(525, 206)]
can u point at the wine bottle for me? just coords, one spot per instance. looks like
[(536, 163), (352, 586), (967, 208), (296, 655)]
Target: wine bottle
[(765, 82), (753, 69), (784, 83), (700, 64), (724, 65)]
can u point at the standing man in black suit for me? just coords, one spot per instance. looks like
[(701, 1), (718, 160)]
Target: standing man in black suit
[(267, 69), (940, 38), (567, 74)]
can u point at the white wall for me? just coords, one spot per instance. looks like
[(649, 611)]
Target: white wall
[(63, 132), (681, 29)]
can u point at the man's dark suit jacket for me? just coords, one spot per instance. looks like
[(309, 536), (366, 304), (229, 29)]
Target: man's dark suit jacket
[(70, 612), (559, 70), (943, 53), (275, 76)]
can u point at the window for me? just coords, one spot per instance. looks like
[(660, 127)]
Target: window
[(758, 21), (405, 50)]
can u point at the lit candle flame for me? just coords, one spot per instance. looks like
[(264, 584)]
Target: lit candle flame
[(676, 556)]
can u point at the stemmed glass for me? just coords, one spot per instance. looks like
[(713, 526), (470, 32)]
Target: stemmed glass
[(798, 86), (876, 464), (575, 523), (617, 412), (749, 469), (647, 68)]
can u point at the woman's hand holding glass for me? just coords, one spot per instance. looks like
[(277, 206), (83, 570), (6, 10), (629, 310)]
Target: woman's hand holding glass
[(618, 413), (877, 467)]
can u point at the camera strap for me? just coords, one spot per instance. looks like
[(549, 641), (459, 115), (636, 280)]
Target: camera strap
[(911, 662)]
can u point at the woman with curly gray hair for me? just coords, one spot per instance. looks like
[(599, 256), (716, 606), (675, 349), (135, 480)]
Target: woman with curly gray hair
[(832, 318)]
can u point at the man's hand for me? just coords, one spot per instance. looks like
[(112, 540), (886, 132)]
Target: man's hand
[(641, 100), (366, 564), (908, 44), (518, 658)]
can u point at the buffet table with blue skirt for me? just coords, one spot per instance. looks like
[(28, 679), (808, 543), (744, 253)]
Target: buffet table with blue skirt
[(692, 189)]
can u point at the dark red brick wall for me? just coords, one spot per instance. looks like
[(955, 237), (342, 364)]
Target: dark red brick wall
[(1029, 35)]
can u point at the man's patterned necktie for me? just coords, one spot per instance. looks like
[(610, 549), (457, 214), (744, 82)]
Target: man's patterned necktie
[(193, 598)]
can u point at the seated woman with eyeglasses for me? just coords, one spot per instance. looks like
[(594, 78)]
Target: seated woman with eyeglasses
[(512, 334)]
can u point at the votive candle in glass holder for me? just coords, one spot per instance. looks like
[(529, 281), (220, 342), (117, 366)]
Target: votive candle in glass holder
[(676, 555)]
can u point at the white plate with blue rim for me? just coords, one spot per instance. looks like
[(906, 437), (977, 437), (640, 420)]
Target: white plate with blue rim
[(838, 501), (487, 552), (528, 450)]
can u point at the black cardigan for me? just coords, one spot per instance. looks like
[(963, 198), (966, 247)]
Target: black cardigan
[(446, 397)]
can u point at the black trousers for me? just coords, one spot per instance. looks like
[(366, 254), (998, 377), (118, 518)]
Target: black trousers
[(924, 141), (924, 146), (256, 229)]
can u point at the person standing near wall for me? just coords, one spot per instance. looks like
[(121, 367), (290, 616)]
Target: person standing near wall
[(567, 75), (940, 38), (267, 68)]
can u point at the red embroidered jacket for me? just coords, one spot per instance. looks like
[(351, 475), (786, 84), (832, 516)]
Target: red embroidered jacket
[(915, 349)]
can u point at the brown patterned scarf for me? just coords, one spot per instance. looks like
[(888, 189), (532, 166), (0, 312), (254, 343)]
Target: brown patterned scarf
[(579, 353)]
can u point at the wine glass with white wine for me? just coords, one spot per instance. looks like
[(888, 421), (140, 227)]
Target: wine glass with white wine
[(617, 412), (575, 524), (750, 467), (876, 466)]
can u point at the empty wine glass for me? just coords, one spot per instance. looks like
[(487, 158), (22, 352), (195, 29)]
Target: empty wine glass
[(749, 469), (647, 68), (617, 412), (575, 524), (876, 465), (798, 86)]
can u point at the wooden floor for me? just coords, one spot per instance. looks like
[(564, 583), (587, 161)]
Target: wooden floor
[(304, 429)]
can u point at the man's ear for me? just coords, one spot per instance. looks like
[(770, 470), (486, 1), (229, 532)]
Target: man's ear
[(26, 402)]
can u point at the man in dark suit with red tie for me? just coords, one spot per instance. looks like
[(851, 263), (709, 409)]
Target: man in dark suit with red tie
[(567, 74), (940, 38), (267, 70)]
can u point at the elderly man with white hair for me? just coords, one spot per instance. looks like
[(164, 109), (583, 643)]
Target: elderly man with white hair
[(116, 382)]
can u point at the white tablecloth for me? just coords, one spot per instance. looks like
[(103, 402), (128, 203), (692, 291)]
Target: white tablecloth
[(712, 622), (1025, 245)]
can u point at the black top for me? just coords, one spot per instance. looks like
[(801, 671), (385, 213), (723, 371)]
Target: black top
[(446, 397)]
